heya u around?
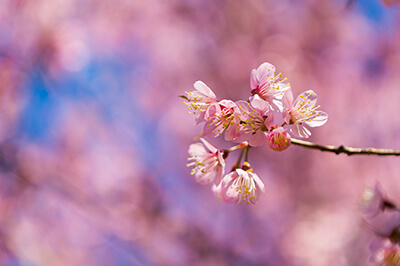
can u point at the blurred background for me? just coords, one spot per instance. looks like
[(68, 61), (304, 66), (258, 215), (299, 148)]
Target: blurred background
[(94, 139)]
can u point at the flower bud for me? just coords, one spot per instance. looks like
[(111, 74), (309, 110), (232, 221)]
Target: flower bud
[(278, 139)]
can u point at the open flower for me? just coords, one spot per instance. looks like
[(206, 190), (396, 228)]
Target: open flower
[(240, 186), (268, 86), (302, 111), (221, 116), (256, 118), (199, 100), (279, 139), (208, 162)]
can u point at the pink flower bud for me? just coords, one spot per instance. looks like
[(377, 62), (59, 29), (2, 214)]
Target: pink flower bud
[(278, 139)]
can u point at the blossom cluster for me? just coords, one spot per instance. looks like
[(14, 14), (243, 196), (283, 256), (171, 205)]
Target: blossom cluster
[(269, 114), (383, 217)]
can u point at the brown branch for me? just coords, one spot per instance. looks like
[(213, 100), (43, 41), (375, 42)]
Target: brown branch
[(347, 150)]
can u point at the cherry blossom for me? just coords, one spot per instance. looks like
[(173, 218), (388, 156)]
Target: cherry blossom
[(302, 110), (208, 162), (256, 118), (199, 100), (269, 87), (251, 123), (278, 139), (240, 186), (224, 115)]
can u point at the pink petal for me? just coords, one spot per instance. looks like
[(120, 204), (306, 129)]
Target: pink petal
[(217, 191), (228, 104), (212, 111), (264, 72), (201, 87), (200, 118), (235, 133), (229, 178), (220, 173), (258, 139), (209, 146), (206, 178), (260, 105), (269, 121), (287, 100), (253, 80)]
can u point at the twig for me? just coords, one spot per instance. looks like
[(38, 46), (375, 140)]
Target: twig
[(347, 150)]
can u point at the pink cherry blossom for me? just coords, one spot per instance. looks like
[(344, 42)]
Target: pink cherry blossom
[(268, 86), (200, 100), (240, 186), (224, 115), (302, 111), (279, 139), (208, 162), (256, 118)]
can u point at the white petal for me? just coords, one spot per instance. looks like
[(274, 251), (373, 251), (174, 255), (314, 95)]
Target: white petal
[(258, 181), (318, 120), (197, 149), (300, 131)]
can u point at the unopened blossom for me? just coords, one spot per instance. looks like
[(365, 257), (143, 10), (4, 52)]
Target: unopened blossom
[(222, 116), (279, 139), (268, 86), (199, 100), (241, 186), (256, 117), (302, 111), (207, 161)]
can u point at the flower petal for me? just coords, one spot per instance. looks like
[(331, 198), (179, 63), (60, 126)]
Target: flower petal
[(300, 131), (258, 139), (260, 105), (197, 149), (265, 72), (287, 100), (209, 146), (202, 88), (319, 119)]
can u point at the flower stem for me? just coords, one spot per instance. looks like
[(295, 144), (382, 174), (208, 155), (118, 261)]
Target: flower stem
[(246, 158), (347, 150), (237, 165)]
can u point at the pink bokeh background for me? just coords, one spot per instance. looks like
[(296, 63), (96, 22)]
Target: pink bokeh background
[(94, 139)]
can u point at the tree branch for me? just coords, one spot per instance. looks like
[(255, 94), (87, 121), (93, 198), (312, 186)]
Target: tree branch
[(347, 150)]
